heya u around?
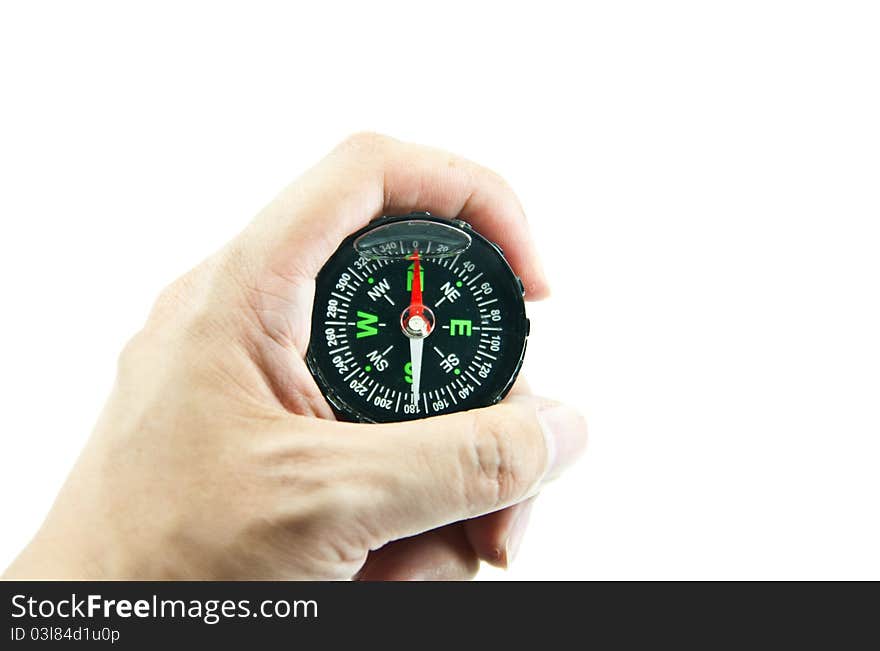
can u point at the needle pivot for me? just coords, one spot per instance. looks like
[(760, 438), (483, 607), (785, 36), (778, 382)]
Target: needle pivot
[(417, 326)]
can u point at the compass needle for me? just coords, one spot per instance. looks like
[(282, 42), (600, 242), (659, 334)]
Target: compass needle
[(415, 353)]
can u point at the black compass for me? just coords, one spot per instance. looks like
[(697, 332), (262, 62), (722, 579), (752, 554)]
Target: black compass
[(416, 316)]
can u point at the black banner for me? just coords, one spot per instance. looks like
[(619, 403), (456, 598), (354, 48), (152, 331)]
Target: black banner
[(395, 615)]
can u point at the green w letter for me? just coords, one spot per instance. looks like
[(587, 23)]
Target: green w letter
[(365, 324)]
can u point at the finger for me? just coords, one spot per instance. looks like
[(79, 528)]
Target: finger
[(427, 473), (440, 555), (495, 537), (521, 387), (369, 175)]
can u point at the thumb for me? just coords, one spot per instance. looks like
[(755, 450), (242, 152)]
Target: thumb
[(449, 468)]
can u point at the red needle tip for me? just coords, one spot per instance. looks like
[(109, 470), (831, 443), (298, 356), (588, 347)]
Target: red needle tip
[(415, 303)]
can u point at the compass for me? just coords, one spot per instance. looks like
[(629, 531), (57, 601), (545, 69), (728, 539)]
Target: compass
[(416, 316)]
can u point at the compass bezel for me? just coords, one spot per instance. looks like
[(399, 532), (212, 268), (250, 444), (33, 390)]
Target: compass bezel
[(516, 322)]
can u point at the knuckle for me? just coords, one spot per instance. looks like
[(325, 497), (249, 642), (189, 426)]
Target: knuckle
[(500, 471), (481, 173), (127, 362), (197, 304), (176, 298), (497, 178), (366, 142), (171, 296)]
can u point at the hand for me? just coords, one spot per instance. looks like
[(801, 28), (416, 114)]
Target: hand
[(217, 457)]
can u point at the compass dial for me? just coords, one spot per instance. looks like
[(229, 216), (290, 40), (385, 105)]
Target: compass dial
[(416, 316)]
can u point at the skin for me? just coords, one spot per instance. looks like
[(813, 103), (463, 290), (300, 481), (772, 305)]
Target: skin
[(216, 457)]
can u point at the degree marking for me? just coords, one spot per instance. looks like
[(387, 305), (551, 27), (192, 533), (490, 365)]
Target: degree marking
[(468, 373), (474, 279)]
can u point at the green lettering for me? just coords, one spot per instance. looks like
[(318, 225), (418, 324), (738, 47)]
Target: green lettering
[(409, 275), (365, 324), (460, 327)]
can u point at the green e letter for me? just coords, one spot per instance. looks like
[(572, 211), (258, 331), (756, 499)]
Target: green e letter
[(460, 327)]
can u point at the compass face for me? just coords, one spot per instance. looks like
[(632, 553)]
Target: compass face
[(416, 316)]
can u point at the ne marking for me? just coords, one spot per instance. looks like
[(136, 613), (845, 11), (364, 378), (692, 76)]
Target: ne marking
[(338, 350), (387, 298), (356, 275), (493, 300)]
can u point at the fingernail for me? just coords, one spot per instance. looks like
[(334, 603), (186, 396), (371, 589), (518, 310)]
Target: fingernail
[(565, 434), (517, 531)]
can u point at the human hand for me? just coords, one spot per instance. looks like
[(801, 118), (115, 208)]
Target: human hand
[(217, 457)]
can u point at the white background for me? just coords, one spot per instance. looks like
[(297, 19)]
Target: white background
[(702, 178)]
